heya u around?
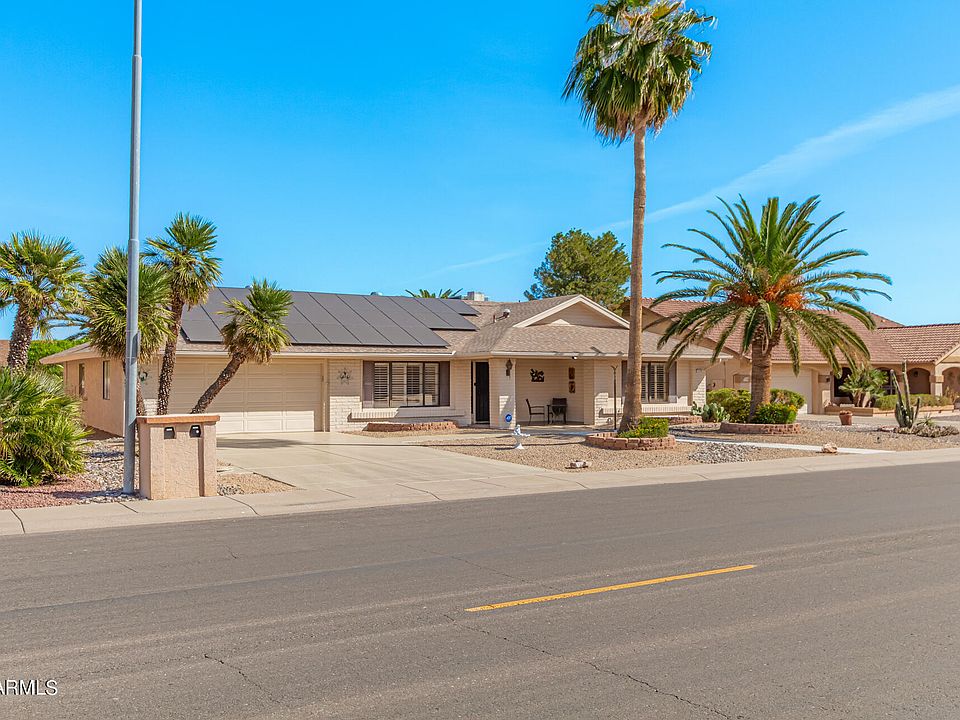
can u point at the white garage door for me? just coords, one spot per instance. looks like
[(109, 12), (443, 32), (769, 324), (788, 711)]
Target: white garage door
[(802, 384), (283, 396)]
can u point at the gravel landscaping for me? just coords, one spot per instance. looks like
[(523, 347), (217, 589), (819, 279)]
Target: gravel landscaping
[(818, 434), (556, 452), (102, 482)]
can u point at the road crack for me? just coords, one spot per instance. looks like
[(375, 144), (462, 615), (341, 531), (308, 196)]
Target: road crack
[(266, 693), (646, 685)]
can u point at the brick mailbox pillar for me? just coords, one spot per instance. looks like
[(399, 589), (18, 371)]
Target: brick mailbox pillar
[(178, 456)]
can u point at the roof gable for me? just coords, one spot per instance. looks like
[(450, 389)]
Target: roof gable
[(577, 311)]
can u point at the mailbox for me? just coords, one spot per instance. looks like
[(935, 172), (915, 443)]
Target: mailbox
[(178, 456)]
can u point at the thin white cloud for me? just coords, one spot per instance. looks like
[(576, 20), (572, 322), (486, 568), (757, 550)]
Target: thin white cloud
[(480, 262), (820, 151)]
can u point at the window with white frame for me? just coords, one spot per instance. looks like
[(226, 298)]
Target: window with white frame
[(106, 379), (405, 384)]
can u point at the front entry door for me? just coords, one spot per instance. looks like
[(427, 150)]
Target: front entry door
[(481, 385)]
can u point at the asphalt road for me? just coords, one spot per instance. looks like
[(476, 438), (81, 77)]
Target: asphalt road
[(852, 610)]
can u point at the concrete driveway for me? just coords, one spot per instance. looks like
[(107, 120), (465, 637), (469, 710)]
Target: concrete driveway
[(377, 468)]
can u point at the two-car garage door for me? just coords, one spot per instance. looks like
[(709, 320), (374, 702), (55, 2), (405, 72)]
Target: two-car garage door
[(284, 396)]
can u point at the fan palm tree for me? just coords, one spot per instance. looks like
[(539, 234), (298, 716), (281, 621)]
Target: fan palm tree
[(105, 310), (772, 283), (43, 434), (429, 294), (254, 331), (633, 70), (41, 276), (185, 253)]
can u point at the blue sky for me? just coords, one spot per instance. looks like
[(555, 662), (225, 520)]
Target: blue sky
[(404, 148)]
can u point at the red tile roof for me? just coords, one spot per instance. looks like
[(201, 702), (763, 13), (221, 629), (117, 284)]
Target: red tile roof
[(890, 342)]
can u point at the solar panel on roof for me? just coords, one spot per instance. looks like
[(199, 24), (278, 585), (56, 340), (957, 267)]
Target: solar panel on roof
[(459, 306), (350, 320)]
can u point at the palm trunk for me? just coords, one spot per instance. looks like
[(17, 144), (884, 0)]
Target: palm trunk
[(165, 382), (633, 385), (226, 375), (761, 374), (20, 339)]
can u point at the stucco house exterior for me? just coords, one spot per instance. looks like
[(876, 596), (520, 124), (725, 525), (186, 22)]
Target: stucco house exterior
[(356, 359), (931, 352)]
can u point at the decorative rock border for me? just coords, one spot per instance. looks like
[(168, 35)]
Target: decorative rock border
[(610, 441), (758, 429), (685, 420), (442, 425)]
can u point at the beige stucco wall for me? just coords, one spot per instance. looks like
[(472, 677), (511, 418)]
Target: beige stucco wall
[(106, 415)]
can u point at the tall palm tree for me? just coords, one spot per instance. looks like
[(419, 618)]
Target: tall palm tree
[(254, 331), (185, 253), (633, 70), (448, 293), (41, 276), (105, 310), (772, 283)]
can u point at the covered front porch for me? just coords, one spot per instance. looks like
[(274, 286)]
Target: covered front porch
[(578, 390)]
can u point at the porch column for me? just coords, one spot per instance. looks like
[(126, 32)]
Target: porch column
[(936, 380), (503, 394)]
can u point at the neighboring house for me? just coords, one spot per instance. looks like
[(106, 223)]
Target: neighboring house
[(931, 352), (361, 358)]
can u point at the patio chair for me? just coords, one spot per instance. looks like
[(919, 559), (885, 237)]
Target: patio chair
[(533, 410), (558, 408)]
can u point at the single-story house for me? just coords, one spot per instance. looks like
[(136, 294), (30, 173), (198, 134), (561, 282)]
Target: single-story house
[(931, 352), (355, 359)]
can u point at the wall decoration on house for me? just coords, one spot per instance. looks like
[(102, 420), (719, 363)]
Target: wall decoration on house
[(537, 376), (571, 374), (345, 376), (509, 367), (572, 386)]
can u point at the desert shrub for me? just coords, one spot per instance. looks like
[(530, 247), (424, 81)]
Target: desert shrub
[(889, 402), (779, 396), (929, 429), (41, 435), (722, 396), (775, 414), (648, 427)]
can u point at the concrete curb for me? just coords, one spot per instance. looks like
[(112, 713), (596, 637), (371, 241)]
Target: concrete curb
[(405, 492)]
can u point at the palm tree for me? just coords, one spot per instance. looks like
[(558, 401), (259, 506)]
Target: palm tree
[(633, 70), (254, 332), (771, 283), (429, 294), (105, 310), (864, 383), (185, 253), (41, 276), (43, 433)]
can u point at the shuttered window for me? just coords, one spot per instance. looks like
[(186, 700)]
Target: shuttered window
[(654, 382), (405, 384), (654, 379)]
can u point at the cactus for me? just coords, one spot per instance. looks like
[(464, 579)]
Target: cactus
[(906, 412)]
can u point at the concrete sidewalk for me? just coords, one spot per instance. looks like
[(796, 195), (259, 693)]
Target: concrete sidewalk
[(398, 491)]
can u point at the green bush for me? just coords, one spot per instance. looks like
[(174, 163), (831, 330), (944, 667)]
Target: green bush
[(42, 435), (778, 396), (648, 427), (775, 414), (736, 403), (39, 349), (889, 402)]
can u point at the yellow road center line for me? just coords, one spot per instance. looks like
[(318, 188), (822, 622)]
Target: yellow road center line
[(611, 588)]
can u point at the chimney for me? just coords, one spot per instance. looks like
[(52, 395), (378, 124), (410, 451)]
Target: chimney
[(475, 296)]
